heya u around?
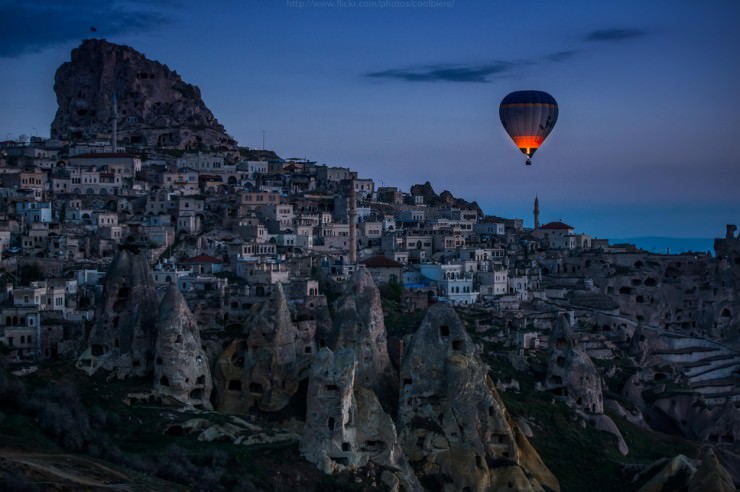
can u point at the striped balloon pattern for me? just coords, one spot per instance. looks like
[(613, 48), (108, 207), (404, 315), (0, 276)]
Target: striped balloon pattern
[(528, 117)]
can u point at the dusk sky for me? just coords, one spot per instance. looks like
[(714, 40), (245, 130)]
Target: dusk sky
[(404, 91)]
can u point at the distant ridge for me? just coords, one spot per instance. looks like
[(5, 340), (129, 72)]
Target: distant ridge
[(672, 245)]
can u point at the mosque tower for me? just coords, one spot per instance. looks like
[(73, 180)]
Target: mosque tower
[(536, 212), (115, 123)]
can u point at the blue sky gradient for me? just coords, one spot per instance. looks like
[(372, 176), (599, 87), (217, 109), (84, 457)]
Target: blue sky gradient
[(647, 141)]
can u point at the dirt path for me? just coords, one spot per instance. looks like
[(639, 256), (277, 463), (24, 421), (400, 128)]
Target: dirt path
[(66, 468)]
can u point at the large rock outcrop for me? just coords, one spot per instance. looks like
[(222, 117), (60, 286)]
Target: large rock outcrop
[(156, 108), (445, 198), (571, 372), (346, 427), (686, 385), (682, 473), (453, 425), (691, 295), (181, 368), (264, 368), (122, 338), (359, 324), (710, 476)]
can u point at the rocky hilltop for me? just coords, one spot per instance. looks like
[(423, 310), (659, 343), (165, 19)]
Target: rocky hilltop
[(445, 198), (155, 106)]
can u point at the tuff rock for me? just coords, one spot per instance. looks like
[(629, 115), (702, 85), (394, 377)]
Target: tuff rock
[(710, 476), (122, 338), (359, 324), (571, 372), (263, 369), (681, 473), (666, 472), (686, 412), (155, 106), (346, 427), (453, 425), (181, 368)]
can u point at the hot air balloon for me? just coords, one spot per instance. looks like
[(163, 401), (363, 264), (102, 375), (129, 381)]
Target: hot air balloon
[(528, 117)]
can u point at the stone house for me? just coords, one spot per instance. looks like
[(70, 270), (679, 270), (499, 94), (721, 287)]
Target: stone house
[(383, 269), (202, 264), (21, 331)]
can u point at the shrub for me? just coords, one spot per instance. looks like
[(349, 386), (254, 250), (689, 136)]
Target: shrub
[(17, 482), (175, 465), (61, 415), (12, 391)]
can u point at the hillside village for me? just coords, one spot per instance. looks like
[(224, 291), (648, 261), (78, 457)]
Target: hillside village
[(237, 281), (227, 231)]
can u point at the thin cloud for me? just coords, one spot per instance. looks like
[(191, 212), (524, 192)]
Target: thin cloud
[(28, 27), (560, 56), (445, 72), (479, 73), (615, 34)]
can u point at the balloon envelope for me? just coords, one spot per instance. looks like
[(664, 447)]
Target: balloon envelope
[(528, 117)]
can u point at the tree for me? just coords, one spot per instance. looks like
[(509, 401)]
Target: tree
[(30, 273)]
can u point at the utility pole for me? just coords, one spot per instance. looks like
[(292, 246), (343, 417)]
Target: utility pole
[(352, 224)]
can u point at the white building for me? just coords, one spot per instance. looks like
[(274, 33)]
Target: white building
[(257, 167), (209, 163), (455, 284), (489, 229)]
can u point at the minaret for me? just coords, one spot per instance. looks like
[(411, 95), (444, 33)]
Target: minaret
[(536, 212), (115, 123), (352, 224)]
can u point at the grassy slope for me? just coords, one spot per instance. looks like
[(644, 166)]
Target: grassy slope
[(579, 457), (133, 437)]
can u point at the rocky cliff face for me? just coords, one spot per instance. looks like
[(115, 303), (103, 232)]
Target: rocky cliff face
[(346, 427), (571, 372), (264, 368), (155, 106), (706, 373), (444, 199), (181, 368), (682, 473), (693, 296), (452, 423), (122, 339), (359, 324)]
